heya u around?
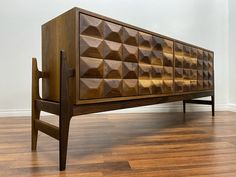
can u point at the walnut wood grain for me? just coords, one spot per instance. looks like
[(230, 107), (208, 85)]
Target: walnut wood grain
[(92, 63), (100, 48)]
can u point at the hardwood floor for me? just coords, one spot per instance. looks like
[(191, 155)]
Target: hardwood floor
[(114, 145)]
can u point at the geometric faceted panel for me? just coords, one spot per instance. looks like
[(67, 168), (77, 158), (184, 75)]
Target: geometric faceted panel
[(199, 54), (91, 26), (157, 43), (194, 64), (193, 74), (116, 61), (210, 84), (145, 56), (167, 46), (91, 47), (205, 65), (130, 36), (145, 40), (112, 50), (186, 86), (187, 62), (205, 55), (186, 65), (91, 68), (210, 57), (145, 71), (179, 61), (168, 59), (186, 74), (130, 87), (210, 65), (186, 50), (200, 75), (200, 64), (193, 85), (130, 53), (112, 69), (112, 32), (157, 86), (91, 88), (145, 87), (178, 49), (205, 84), (168, 73), (130, 70), (178, 86), (157, 58), (210, 75), (157, 72), (205, 75), (167, 86), (112, 87), (200, 84), (193, 52), (178, 73)]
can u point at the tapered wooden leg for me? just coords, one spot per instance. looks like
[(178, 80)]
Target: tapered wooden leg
[(213, 105), (65, 109), (35, 113), (34, 130), (184, 106), (63, 141)]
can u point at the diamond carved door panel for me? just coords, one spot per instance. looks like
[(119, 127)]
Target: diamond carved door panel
[(112, 69), (157, 86), (188, 64), (91, 88), (91, 47), (118, 61), (112, 87), (91, 26), (91, 67), (130, 53), (130, 70), (112, 50), (130, 36), (145, 87), (130, 87), (112, 32)]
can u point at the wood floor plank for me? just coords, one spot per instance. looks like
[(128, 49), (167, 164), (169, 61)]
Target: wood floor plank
[(127, 145)]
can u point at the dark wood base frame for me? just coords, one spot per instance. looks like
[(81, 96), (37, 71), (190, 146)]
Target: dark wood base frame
[(207, 102), (65, 109)]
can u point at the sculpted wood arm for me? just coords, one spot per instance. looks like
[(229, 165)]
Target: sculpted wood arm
[(63, 108)]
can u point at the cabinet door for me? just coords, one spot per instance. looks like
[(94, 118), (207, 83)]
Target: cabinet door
[(121, 62)]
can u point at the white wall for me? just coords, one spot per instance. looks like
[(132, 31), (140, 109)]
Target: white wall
[(201, 22), (232, 53)]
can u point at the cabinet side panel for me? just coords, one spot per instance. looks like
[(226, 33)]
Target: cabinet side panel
[(58, 34)]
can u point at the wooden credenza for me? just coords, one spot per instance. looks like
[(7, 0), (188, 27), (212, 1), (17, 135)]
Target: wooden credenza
[(92, 63)]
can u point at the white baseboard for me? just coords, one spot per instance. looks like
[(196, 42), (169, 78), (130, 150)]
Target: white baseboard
[(14, 112), (168, 107), (231, 107), (17, 112)]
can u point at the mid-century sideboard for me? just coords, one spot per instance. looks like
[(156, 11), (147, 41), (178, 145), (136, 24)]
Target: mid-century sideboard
[(92, 63)]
